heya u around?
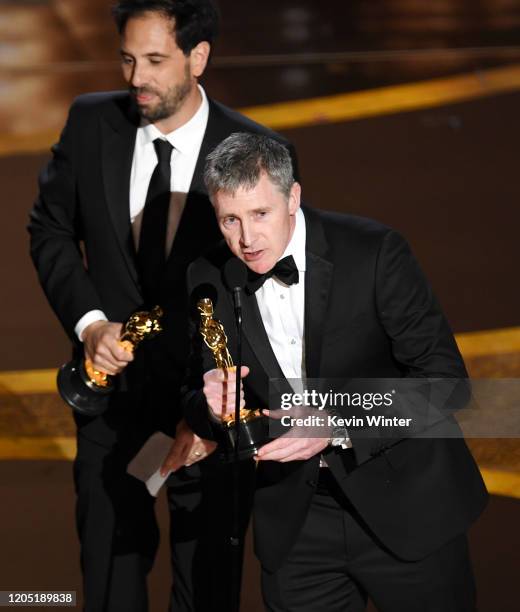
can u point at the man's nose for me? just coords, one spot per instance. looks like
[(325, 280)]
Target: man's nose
[(138, 76), (246, 235)]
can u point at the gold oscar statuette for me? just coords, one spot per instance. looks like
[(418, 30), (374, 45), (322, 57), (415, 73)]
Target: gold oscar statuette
[(214, 336), (85, 389), (140, 326)]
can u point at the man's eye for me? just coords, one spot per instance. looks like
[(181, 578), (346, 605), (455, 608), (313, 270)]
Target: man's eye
[(127, 60), (155, 61), (229, 220)]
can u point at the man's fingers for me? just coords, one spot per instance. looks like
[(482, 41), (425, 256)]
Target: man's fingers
[(200, 450), (113, 353), (304, 452), (217, 375), (120, 354), (169, 462), (220, 390), (274, 414), (176, 458), (166, 467), (225, 375), (225, 398), (102, 347), (297, 449), (275, 450), (186, 450), (102, 364), (276, 444), (111, 358), (222, 403)]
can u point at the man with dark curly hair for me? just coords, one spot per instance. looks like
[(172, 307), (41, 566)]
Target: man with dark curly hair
[(122, 211)]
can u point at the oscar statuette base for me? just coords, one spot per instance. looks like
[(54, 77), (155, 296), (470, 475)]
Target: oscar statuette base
[(79, 392), (253, 434)]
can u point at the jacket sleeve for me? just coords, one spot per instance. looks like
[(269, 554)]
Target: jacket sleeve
[(421, 338), (424, 347), (55, 232)]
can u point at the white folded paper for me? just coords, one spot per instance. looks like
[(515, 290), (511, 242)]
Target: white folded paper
[(146, 464)]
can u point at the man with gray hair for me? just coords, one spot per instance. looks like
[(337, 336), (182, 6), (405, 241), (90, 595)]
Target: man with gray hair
[(334, 296), (240, 162)]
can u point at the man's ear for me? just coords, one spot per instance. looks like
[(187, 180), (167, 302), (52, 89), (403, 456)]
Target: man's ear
[(199, 58), (295, 198)]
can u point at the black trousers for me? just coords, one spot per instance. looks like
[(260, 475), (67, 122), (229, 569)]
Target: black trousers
[(337, 563), (119, 536), (205, 539), (117, 530)]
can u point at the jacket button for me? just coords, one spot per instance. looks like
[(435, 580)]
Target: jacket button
[(312, 483)]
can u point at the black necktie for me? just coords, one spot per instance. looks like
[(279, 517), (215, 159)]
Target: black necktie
[(285, 270), (152, 239)]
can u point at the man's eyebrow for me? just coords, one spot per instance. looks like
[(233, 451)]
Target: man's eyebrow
[(151, 54), (156, 54)]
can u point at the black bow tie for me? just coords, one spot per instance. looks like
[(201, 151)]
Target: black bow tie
[(285, 270)]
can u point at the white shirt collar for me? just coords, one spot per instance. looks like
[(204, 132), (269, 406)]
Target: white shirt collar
[(296, 246), (186, 137)]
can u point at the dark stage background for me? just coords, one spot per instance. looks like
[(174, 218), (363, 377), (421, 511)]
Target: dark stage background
[(437, 161)]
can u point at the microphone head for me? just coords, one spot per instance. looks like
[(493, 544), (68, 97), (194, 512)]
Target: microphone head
[(235, 273)]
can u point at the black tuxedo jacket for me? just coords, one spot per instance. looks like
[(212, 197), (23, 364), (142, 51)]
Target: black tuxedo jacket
[(369, 313), (82, 247)]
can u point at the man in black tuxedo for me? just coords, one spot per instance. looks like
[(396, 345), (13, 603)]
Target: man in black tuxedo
[(334, 296), (122, 210)]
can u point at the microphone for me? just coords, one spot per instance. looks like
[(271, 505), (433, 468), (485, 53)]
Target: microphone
[(235, 277)]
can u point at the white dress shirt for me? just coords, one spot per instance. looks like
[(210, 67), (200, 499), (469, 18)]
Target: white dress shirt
[(186, 142), (282, 308)]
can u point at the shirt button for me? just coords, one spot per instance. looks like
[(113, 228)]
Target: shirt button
[(282, 296), (293, 341)]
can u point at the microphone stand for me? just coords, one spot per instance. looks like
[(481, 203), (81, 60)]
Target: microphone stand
[(236, 557)]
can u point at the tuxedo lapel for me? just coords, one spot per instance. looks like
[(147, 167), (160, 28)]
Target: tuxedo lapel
[(118, 141), (254, 331), (198, 225), (216, 131), (318, 279)]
